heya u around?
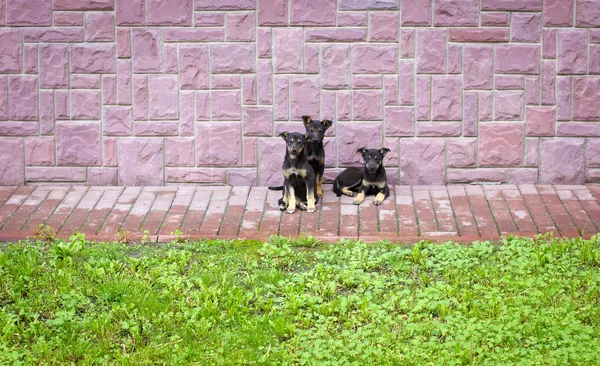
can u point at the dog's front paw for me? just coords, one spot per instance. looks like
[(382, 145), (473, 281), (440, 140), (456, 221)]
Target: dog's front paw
[(282, 207), (310, 210), (377, 202), (357, 201), (302, 206), (291, 211), (349, 194)]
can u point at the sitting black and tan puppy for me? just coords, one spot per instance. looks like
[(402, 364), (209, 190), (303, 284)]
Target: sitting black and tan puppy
[(299, 177), (368, 179), (315, 153)]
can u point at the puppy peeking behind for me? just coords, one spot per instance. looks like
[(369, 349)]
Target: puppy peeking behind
[(368, 179), (299, 177)]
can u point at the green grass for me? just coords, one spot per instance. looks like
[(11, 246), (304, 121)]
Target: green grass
[(521, 301)]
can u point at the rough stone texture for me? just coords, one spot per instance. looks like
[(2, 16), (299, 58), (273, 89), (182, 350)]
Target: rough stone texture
[(501, 144), (99, 27), (23, 98), (11, 51), (221, 144), (526, 27), (93, 58), (572, 51), (78, 144), (169, 12), (367, 105), (446, 98), (12, 161), (456, 13), (493, 81), (356, 135), (517, 59), (29, 12), (586, 93), (141, 162), (431, 51), (415, 154), (540, 121), (567, 154)]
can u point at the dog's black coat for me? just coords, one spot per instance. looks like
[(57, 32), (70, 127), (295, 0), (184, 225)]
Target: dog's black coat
[(368, 179), (314, 150), (299, 177)]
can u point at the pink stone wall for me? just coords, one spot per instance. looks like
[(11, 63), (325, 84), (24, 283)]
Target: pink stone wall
[(155, 92)]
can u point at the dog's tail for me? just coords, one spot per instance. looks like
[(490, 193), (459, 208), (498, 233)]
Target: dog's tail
[(276, 188), (336, 188)]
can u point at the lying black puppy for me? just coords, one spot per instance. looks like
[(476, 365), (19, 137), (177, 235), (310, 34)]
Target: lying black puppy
[(368, 179), (299, 176)]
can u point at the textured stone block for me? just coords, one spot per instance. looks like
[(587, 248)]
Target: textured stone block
[(526, 27), (162, 97), (383, 27), (225, 105), (501, 144), (194, 35), (240, 27), (339, 35), (572, 51), (540, 121), (431, 50), (344, 103), (509, 82), (39, 151), (496, 19), (422, 161), (11, 53), (257, 121), (224, 5), (304, 96), (141, 162), (93, 58), (232, 58), (312, 12), (56, 174), (367, 105), (179, 151), (124, 43), (588, 13), (85, 104), (423, 98), (54, 66), (586, 93), (30, 58), (352, 136), (68, 18), (221, 144), (23, 98), (130, 12), (416, 12), (169, 12), (439, 129), (456, 13), (117, 121), (83, 4), (446, 98), (272, 12), (265, 36), (517, 59), (147, 52), (593, 153), (368, 4), (374, 58), (508, 105), (99, 27), (102, 177), (282, 100), (549, 43), (311, 59), (513, 5), (336, 66), (478, 35), (29, 12), (78, 144), (287, 50), (566, 153), (462, 153), (193, 67), (558, 13)]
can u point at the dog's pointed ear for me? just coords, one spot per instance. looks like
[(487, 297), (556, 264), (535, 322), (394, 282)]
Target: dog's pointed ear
[(307, 120), (384, 150), (361, 151), (326, 123), (307, 138), (284, 135)]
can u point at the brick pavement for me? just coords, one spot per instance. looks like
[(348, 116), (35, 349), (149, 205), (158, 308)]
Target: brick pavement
[(462, 213)]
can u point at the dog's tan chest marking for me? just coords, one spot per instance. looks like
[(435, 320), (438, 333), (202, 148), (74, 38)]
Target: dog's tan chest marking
[(379, 185), (287, 173)]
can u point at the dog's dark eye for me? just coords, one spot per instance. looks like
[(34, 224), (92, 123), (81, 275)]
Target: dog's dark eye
[(312, 130)]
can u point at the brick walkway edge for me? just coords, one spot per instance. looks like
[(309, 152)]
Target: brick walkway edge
[(462, 213)]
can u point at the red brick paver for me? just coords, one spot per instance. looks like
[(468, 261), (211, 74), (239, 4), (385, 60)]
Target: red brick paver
[(460, 213)]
